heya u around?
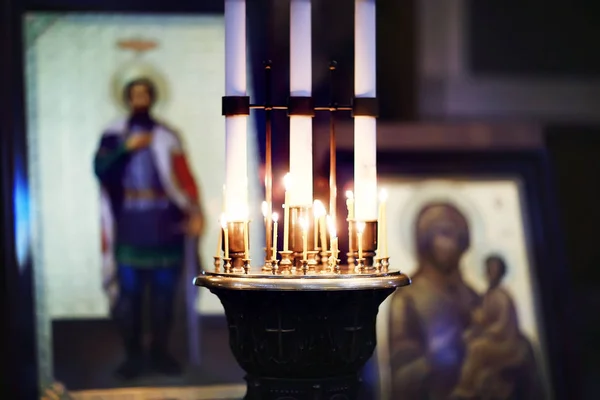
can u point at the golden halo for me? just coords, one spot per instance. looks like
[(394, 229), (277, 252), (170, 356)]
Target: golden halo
[(137, 69)]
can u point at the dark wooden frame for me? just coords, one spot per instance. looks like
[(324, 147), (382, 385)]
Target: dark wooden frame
[(532, 168)]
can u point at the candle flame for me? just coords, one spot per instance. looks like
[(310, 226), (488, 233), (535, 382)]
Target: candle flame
[(331, 226), (383, 195), (265, 208), (275, 217), (287, 181), (360, 227), (304, 224), (349, 194), (318, 209), (238, 212), (223, 221)]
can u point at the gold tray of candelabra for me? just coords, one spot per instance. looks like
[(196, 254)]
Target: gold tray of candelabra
[(302, 268), (344, 277)]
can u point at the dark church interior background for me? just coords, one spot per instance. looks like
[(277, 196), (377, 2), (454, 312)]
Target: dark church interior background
[(454, 76)]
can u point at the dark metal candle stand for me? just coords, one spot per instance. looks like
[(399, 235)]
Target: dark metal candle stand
[(303, 331)]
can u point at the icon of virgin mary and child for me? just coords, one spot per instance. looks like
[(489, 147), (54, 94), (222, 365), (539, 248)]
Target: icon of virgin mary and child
[(447, 341)]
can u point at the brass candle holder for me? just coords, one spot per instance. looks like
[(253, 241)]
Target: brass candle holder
[(377, 264), (360, 265), (350, 258), (311, 258), (318, 256), (287, 261), (369, 244), (324, 259), (385, 263), (217, 263), (246, 265), (305, 266), (236, 230), (267, 266), (274, 266), (227, 265), (238, 269), (382, 264), (336, 265)]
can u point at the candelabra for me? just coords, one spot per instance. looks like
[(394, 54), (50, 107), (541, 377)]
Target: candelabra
[(301, 323)]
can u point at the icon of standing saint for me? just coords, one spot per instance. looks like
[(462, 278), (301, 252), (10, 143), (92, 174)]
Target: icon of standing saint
[(151, 206)]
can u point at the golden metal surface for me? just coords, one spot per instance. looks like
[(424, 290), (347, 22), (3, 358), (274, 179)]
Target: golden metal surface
[(369, 243), (235, 232), (324, 280), (295, 238), (268, 164), (369, 236)]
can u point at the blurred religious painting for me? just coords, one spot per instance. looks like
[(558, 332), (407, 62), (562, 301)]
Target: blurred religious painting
[(151, 208), (467, 327), (126, 159)]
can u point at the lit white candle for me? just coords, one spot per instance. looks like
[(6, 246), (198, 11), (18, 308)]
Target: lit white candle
[(300, 48), (382, 224), (364, 48), (265, 211), (246, 239), (287, 181), (235, 47), (318, 214), (304, 224), (365, 127), (350, 204), (225, 235), (223, 208), (275, 218), (236, 127), (336, 249), (333, 238), (264, 207), (219, 241), (301, 85), (360, 228), (323, 231)]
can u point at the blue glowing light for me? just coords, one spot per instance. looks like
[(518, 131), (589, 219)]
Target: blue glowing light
[(21, 215)]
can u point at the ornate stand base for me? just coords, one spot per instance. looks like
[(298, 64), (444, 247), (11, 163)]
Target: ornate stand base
[(340, 388), (302, 337)]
